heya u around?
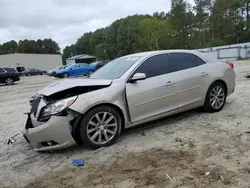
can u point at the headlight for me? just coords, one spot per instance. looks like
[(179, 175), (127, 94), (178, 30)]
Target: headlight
[(57, 107), (31, 100)]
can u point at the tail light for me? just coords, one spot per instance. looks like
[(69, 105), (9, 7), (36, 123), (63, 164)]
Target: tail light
[(230, 64)]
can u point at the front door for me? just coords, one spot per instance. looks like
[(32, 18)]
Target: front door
[(75, 70), (154, 95)]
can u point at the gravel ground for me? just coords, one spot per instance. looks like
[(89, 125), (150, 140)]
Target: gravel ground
[(189, 150)]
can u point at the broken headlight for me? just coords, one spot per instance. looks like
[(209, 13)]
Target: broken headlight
[(57, 107)]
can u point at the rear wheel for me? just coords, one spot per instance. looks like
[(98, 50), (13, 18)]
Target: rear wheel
[(216, 97), (65, 75), (9, 81), (100, 127)]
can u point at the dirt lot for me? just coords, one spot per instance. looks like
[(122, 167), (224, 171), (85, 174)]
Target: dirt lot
[(189, 150)]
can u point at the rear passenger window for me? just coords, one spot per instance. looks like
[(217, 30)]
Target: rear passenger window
[(199, 61), (154, 66), (1, 71), (181, 61), (10, 69)]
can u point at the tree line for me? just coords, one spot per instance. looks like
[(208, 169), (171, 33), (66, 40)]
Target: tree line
[(46, 46), (208, 23)]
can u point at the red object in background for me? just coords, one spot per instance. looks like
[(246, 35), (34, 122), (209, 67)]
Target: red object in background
[(230, 64)]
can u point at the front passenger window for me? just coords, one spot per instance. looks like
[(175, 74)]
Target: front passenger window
[(154, 66)]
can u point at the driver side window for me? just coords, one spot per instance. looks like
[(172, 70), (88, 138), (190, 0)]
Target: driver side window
[(154, 66)]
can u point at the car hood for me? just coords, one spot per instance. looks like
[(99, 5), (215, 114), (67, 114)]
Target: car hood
[(71, 83)]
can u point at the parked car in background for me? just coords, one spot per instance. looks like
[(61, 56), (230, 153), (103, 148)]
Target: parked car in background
[(99, 64), (79, 69), (53, 71), (20, 69), (30, 72), (128, 91), (9, 76)]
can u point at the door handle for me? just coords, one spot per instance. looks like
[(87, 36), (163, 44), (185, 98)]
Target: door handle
[(204, 73), (169, 83)]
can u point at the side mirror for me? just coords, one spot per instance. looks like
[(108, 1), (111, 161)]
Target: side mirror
[(137, 77)]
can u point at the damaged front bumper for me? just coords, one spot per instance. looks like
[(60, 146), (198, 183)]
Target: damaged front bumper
[(51, 135)]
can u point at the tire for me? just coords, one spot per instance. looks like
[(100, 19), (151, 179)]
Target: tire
[(90, 72), (65, 75), (96, 134), (9, 81), (215, 98), (29, 74)]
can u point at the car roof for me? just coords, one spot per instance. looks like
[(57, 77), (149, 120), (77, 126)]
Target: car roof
[(203, 56), (149, 53)]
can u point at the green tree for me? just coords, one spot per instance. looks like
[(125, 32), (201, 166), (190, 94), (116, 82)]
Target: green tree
[(182, 21), (8, 47), (202, 10)]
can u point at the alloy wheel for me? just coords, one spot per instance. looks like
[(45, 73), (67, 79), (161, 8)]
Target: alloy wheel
[(9, 81), (65, 75), (101, 128), (217, 97)]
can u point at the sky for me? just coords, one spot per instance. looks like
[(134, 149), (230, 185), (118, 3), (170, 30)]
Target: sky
[(67, 20)]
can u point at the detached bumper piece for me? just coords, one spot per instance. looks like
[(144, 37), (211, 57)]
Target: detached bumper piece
[(52, 135)]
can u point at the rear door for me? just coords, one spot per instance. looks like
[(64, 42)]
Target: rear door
[(154, 95), (190, 74), (83, 70), (11, 72), (37, 72)]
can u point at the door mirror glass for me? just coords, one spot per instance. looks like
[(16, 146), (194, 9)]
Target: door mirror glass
[(138, 76)]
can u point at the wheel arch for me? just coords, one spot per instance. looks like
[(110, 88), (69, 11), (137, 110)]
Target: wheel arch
[(76, 122), (222, 82), (66, 73)]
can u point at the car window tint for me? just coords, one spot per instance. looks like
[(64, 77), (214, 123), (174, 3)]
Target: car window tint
[(199, 61), (154, 66), (1, 70), (10, 69), (181, 61)]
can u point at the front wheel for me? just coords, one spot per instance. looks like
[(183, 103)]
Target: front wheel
[(215, 98), (65, 75), (100, 127), (9, 81)]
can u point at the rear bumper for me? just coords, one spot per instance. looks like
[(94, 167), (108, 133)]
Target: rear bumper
[(17, 79), (53, 135)]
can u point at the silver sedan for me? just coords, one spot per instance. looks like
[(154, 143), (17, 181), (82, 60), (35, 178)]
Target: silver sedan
[(128, 91)]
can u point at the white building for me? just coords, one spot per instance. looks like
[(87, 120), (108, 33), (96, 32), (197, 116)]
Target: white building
[(83, 58), (37, 61)]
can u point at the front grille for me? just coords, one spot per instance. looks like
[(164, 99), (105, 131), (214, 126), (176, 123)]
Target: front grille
[(48, 143)]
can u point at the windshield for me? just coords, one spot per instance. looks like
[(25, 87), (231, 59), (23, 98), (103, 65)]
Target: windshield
[(116, 68), (62, 67)]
